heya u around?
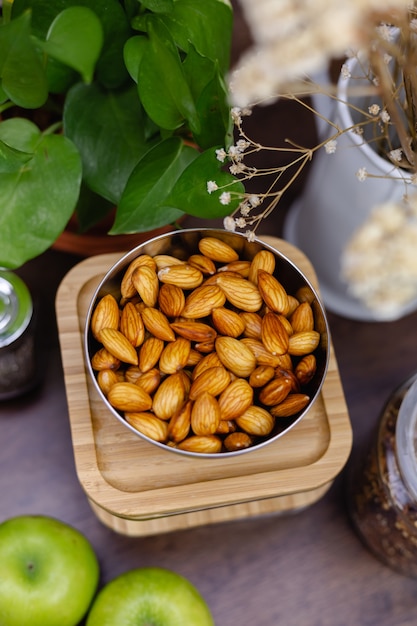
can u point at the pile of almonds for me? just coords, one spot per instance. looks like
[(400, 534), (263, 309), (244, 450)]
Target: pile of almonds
[(205, 354)]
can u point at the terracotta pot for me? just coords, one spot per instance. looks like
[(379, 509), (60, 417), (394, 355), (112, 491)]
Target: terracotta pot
[(97, 241)]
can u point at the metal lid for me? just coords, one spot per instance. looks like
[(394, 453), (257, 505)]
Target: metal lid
[(15, 307)]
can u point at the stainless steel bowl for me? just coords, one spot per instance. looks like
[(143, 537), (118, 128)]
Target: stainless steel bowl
[(182, 244)]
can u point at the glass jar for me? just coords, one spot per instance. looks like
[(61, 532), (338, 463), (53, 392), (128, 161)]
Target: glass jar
[(17, 337), (382, 490)]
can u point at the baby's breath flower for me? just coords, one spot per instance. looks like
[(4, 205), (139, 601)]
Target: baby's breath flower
[(237, 168), (345, 71), (374, 109), (362, 174), (242, 144), (225, 197), (330, 146), (385, 116), (221, 155), (229, 223), (254, 200), (235, 152), (250, 235), (245, 209), (396, 155), (211, 186), (236, 114), (240, 222)]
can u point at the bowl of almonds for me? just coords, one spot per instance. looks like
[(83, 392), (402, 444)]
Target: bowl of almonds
[(206, 344)]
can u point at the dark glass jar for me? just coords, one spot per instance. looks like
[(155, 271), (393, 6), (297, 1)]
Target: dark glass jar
[(17, 337), (382, 489)]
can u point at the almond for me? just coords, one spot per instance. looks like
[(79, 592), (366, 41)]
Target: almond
[(273, 293), (149, 353), (302, 318), (194, 331), (201, 301), (105, 315), (261, 375), (129, 397), (256, 421), (103, 360), (263, 260), (262, 355), (127, 288), (207, 361), (169, 397), (106, 379), (118, 345), (305, 369), (237, 441), (235, 356), (275, 391), (217, 250), (148, 425), (240, 292), (149, 381), (303, 342), (293, 404), (253, 324), (213, 379), (157, 324), (202, 263), (235, 399), (208, 444), (146, 283), (227, 322), (131, 325), (273, 334), (205, 347), (239, 267), (171, 300), (180, 423), (182, 275), (165, 260), (205, 414), (174, 356)]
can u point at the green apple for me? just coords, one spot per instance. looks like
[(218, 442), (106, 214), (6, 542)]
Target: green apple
[(149, 596), (48, 572)]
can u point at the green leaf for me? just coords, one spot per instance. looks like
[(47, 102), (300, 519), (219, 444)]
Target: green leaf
[(133, 52), (214, 112), (91, 208), (158, 6), (75, 38), (111, 71), (190, 192), (107, 128), (12, 159), (144, 203), (22, 73), (162, 86), (38, 199), (207, 25)]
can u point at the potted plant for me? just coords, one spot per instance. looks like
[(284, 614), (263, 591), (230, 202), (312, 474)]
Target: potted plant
[(110, 103)]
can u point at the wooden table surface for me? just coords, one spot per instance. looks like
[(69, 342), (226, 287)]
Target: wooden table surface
[(303, 569), (307, 568)]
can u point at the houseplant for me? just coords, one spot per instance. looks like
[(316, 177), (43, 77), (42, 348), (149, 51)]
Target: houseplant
[(288, 61), (110, 103)]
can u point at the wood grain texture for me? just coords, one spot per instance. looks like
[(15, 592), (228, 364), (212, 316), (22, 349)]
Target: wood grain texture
[(127, 478)]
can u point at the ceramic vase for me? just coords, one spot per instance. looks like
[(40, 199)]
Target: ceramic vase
[(334, 203)]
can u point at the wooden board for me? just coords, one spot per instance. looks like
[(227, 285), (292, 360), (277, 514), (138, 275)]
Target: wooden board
[(138, 488)]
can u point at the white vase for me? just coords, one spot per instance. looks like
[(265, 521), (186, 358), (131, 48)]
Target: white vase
[(334, 204)]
